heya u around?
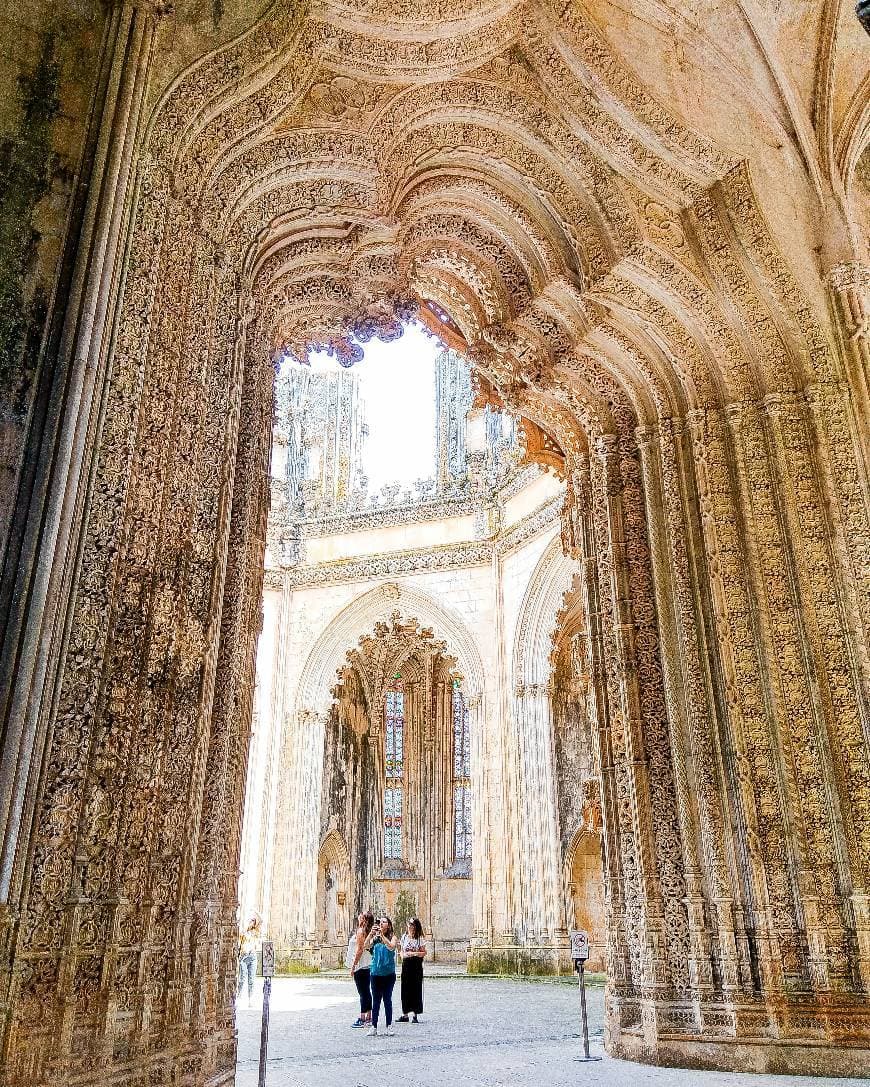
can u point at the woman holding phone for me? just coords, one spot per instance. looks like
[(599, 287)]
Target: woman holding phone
[(382, 943), (413, 954)]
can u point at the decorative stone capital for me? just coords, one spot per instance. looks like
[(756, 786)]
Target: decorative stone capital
[(780, 402), (645, 436)]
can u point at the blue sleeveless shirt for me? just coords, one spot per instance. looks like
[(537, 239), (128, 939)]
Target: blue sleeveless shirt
[(383, 960)]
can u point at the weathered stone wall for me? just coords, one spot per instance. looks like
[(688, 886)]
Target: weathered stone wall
[(50, 72)]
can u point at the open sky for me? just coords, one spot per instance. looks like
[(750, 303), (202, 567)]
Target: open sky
[(397, 383)]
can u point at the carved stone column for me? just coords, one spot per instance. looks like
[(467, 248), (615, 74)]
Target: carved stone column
[(656, 924), (40, 579), (579, 540), (666, 578), (294, 884), (849, 286), (748, 757), (537, 844)]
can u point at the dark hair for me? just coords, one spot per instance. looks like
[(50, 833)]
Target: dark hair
[(389, 926), (368, 920), (416, 927)]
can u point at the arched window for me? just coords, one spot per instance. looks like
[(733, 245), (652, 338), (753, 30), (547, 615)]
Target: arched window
[(462, 832), (394, 761)]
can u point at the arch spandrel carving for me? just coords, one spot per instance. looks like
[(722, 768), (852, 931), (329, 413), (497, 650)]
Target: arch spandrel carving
[(328, 655)]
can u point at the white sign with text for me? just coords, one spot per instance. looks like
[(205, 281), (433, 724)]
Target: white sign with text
[(579, 944)]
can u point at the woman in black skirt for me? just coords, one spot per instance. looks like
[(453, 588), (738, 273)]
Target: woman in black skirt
[(413, 954)]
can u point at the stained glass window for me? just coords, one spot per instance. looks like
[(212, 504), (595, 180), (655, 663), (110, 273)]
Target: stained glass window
[(394, 758), (462, 832)]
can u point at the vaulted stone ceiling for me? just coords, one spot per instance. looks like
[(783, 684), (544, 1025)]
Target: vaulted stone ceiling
[(505, 162)]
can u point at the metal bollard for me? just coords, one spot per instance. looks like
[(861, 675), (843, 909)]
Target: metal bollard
[(580, 952)]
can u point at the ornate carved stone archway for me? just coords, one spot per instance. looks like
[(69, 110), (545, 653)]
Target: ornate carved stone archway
[(615, 280), (342, 724)]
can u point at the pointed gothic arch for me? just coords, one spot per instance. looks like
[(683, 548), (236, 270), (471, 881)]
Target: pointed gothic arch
[(538, 613), (380, 774), (328, 653)]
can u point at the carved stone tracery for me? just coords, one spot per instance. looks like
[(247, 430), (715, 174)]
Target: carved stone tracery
[(612, 278)]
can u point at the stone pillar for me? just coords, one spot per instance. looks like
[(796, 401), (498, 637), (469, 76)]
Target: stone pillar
[(293, 905), (508, 816), (687, 702), (849, 286), (481, 871), (33, 634), (537, 843), (263, 759)]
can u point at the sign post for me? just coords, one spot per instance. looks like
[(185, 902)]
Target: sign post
[(580, 953), (268, 972)]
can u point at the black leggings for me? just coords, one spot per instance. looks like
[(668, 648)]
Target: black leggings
[(364, 988), (382, 989)]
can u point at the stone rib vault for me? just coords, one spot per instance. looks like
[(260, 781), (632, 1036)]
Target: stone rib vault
[(646, 226)]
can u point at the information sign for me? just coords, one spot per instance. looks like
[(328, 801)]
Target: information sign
[(579, 944), (268, 959)]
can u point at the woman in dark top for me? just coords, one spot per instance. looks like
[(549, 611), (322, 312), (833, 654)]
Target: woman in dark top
[(413, 954)]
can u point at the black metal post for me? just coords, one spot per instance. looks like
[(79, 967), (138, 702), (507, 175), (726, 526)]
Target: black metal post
[(582, 984), (583, 1013), (264, 1031)]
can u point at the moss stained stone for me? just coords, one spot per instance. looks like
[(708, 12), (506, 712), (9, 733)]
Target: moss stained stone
[(26, 168)]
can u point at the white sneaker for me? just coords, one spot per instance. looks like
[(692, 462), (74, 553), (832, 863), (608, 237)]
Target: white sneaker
[(372, 1032), (389, 1032)]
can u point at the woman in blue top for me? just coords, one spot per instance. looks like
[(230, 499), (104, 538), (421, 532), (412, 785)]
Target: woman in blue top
[(382, 942)]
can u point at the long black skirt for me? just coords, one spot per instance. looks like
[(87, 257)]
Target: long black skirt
[(412, 986)]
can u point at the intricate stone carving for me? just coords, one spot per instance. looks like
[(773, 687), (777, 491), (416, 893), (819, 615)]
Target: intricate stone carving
[(606, 269)]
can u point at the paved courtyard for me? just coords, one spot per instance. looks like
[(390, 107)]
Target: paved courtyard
[(475, 1033)]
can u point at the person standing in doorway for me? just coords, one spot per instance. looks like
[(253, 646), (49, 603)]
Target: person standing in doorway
[(359, 960), (382, 943), (249, 942), (413, 954)]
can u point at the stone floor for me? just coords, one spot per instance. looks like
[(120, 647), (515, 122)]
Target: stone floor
[(480, 1032)]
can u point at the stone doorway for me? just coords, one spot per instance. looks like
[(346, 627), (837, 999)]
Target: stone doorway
[(334, 902), (585, 879)]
